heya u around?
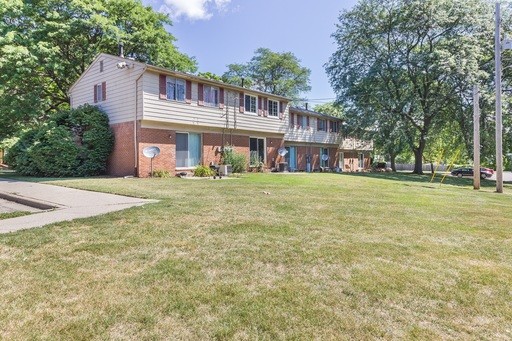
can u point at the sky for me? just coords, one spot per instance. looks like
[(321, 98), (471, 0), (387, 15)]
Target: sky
[(222, 32)]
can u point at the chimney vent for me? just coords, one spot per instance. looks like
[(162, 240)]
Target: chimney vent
[(120, 48)]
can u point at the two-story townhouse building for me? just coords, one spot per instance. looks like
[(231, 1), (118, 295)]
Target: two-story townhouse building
[(314, 142), (190, 119)]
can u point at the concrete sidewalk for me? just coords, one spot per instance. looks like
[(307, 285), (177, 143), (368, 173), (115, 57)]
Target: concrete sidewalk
[(68, 203)]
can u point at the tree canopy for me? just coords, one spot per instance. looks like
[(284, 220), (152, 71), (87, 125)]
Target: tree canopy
[(273, 72), (406, 68), (45, 45)]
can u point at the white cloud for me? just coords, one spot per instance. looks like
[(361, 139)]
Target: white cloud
[(193, 9)]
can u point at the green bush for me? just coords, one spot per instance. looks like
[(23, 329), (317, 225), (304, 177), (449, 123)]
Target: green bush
[(203, 171), (161, 173), (237, 161), (74, 142)]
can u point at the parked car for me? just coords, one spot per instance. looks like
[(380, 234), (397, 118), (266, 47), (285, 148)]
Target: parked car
[(468, 171)]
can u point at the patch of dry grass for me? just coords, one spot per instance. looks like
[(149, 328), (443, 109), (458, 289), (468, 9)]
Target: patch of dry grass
[(323, 256)]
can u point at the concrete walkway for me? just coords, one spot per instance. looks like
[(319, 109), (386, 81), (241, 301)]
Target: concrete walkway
[(58, 203)]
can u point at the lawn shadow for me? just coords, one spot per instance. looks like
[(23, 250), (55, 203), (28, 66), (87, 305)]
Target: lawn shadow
[(428, 181)]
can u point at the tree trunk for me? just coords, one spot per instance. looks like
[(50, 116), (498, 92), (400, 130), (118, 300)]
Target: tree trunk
[(418, 157), (392, 160)]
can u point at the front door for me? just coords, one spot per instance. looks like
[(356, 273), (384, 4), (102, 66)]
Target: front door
[(291, 158)]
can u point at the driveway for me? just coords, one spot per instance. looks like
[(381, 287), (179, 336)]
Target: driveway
[(58, 203)]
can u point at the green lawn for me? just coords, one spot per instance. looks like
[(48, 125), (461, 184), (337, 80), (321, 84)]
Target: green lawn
[(322, 256)]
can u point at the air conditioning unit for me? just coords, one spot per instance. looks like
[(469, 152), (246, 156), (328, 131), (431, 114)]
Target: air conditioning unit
[(225, 170)]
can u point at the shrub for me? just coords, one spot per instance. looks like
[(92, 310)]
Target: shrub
[(75, 142), (203, 171), (237, 161), (161, 173)]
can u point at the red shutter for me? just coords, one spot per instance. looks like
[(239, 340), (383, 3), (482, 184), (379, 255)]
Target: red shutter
[(260, 106), (200, 94), (103, 91), (163, 86), (241, 102), (281, 110), (265, 105), (188, 92), (221, 98), (307, 121), (292, 118), (95, 95)]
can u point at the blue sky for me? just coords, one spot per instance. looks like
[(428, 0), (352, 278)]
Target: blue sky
[(221, 32)]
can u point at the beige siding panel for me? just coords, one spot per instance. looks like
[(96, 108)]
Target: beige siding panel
[(156, 109), (121, 90), (311, 135)]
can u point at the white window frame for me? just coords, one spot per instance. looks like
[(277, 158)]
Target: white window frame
[(251, 97), (188, 150), (258, 138), (361, 161), (273, 108), (206, 99), (99, 92), (174, 95)]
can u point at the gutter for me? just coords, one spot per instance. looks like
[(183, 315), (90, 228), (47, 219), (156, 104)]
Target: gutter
[(135, 137)]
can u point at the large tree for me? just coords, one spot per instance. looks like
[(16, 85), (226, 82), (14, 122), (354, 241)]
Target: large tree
[(273, 72), (409, 63), (46, 44)]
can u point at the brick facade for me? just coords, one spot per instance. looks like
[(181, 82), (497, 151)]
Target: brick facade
[(121, 161)]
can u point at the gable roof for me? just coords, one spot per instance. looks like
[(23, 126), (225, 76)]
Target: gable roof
[(178, 74)]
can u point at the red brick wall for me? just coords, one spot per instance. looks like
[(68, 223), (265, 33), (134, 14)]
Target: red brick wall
[(211, 144), (121, 161), (163, 139), (273, 157)]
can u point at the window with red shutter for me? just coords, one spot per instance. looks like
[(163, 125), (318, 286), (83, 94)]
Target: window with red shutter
[(162, 86), (221, 98), (200, 94), (104, 91), (241, 103), (188, 92)]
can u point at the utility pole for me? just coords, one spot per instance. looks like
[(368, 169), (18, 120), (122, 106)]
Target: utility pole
[(499, 123), (476, 138)]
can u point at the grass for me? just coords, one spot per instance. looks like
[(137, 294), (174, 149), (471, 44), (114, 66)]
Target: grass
[(323, 256), (8, 215)]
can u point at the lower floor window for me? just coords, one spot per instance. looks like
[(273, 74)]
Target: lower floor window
[(361, 160), (257, 151), (188, 149)]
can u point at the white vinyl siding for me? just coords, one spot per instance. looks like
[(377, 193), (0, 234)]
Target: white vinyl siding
[(120, 105), (202, 116)]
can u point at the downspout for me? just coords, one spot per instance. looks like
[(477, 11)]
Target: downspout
[(135, 137)]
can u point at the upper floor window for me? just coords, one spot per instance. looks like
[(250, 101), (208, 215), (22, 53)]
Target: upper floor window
[(321, 125), (273, 108), (250, 104), (175, 89), (101, 65), (302, 121), (335, 126), (211, 96)]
